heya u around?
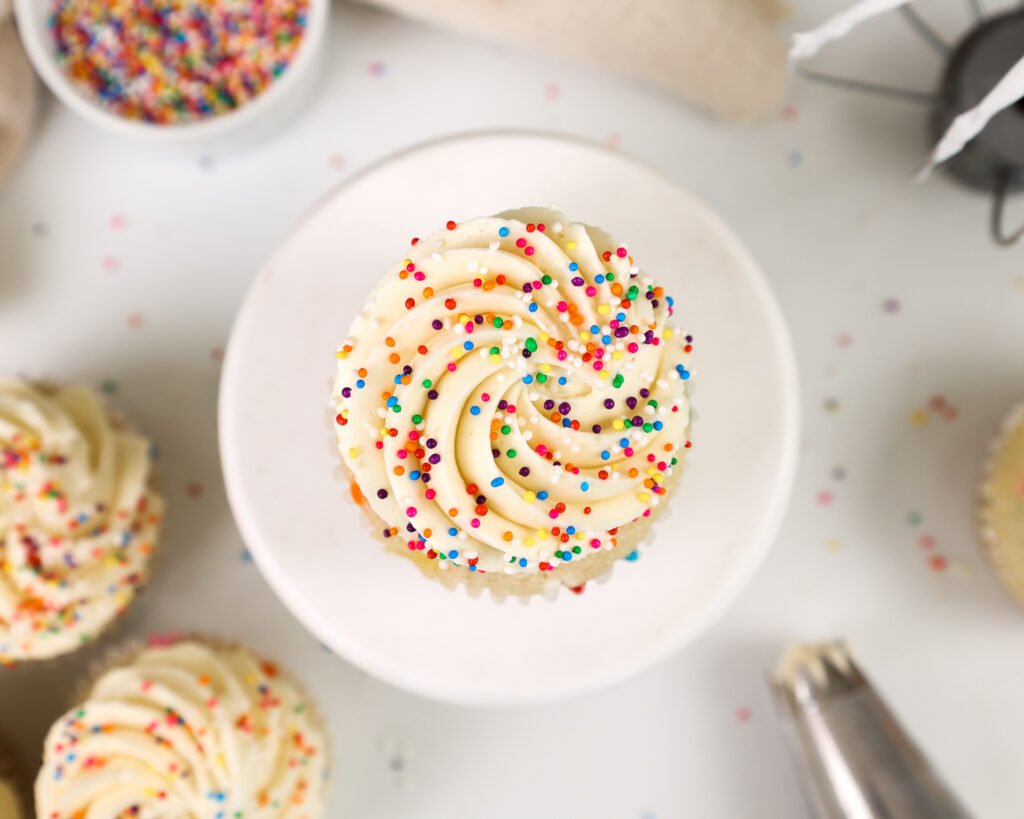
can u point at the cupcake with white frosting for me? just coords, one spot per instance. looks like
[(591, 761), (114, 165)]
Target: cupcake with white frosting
[(511, 402), (192, 729), (79, 519), (1001, 508)]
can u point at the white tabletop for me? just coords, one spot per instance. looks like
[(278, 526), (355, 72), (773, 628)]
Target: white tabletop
[(123, 268)]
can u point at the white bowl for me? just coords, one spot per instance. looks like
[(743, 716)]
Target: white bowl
[(311, 540), (254, 117)]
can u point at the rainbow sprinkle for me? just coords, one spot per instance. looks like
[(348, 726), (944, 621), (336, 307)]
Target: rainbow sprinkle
[(176, 61)]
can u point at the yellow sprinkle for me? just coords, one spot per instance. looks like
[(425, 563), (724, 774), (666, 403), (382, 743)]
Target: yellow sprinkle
[(584, 335), (651, 470), (570, 246), (542, 534), (643, 497), (530, 497), (406, 262), (529, 541), (603, 309), (580, 536), (495, 358), (457, 353), (341, 354), (605, 375), (543, 337), (615, 467), (463, 318), (617, 424), (667, 334), (617, 355), (383, 431), (545, 368), (353, 452)]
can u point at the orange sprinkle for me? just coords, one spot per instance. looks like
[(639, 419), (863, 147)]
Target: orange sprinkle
[(394, 358), (389, 341), (399, 470), (428, 292), (453, 512), (616, 289), (489, 284), (508, 535), (403, 274), (361, 372)]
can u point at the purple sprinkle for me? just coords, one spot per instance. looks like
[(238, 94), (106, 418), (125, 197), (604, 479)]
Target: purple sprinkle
[(407, 370), (495, 453), (432, 395), (387, 533), (654, 302), (621, 332), (382, 493), (596, 427), (549, 404), (410, 528), (437, 324), (346, 392), (638, 421), (577, 281), (689, 339), (526, 353), (425, 477), (478, 319), (431, 443), (524, 471), (480, 499), (434, 459), (631, 402), (564, 408), (644, 392), (502, 404), (649, 295), (527, 288), (609, 403)]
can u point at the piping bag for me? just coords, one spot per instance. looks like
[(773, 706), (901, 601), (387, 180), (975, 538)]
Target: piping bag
[(854, 759)]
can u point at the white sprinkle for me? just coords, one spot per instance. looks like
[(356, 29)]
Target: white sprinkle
[(494, 245), (437, 257)]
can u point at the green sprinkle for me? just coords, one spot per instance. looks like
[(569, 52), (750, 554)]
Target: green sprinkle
[(397, 408), (546, 279), (633, 292), (417, 419), (531, 345), (652, 403), (576, 550), (495, 351), (511, 453), (617, 381), (674, 461), (428, 383), (627, 423), (498, 321), (541, 378), (648, 427), (505, 429), (610, 276)]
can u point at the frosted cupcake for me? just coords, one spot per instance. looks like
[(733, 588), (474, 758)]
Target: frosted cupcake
[(78, 519), (511, 402), (187, 730), (1001, 509)]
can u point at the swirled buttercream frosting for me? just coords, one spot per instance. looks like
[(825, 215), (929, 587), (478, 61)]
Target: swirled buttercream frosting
[(78, 519), (187, 731), (512, 395)]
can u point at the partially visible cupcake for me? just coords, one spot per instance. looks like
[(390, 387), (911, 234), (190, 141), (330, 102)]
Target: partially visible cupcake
[(14, 791), (1001, 508), (192, 729), (512, 403), (79, 518)]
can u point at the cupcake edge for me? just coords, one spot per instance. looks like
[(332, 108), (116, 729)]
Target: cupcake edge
[(1006, 560)]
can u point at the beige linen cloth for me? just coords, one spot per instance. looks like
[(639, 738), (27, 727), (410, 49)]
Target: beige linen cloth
[(724, 56), (17, 91)]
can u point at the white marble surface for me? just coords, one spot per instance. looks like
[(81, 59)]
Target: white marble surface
[(895, 296)]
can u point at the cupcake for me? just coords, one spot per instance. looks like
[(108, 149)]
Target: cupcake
[(1001, 508), (78, 519), (191, 729), (13, 788), (511, 403)]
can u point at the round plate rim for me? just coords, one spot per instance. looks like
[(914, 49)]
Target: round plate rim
[(753, 556)]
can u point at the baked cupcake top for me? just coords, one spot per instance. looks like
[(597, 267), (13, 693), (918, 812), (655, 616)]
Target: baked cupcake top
[(512, 393), (1002, 505), (78, 519), (186, 730)]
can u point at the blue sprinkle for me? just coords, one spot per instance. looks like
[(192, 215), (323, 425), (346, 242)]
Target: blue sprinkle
[(595, 329), (414, 475), (671, 301), (467, 345), (584, 486), (527, 379), (503, 232), (606, 339), (533, 307), (620, 317), (398, 379), (605, 455), (542, 495), (623, 442), (685, 374), (570, 530), (497, 482), (632, 556), (658, 425), (522, 562), (567, 556), (392, 401), (472, 568), (474, 410), (562, 380), (566, 422), (360, 383), (599, 279), (573, 266)]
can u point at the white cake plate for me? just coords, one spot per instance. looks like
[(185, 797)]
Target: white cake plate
[(374, 608)]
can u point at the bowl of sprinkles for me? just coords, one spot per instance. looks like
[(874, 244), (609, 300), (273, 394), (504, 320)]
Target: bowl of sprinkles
[(174, 70)]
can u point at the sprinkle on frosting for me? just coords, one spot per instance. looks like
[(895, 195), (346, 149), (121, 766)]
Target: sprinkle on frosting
[(186, 730), (78, 520), (512, 394)]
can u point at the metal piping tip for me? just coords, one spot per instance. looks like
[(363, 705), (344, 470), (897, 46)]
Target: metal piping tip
[(854, 759)]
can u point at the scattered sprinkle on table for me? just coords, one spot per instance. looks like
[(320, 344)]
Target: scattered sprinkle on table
[(176, 61)]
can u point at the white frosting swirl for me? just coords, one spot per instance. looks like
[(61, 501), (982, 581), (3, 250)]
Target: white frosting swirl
[(78, 519), (186, 732), (511, 394)]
